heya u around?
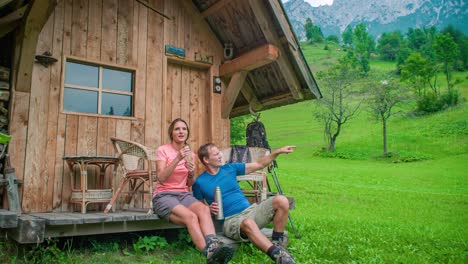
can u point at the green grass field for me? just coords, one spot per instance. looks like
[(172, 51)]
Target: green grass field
[(359, 208), (362, 209)]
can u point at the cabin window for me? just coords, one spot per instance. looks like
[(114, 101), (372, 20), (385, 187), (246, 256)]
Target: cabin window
[(98, 89)]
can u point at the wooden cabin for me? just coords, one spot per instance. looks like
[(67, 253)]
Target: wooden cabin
[(82, 71)]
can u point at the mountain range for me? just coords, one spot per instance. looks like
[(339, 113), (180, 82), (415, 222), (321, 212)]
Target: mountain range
[(378, 15)]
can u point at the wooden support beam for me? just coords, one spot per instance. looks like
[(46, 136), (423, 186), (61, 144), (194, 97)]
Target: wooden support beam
[(37, 16), (253, 59), (294, 47), (264, 20), (249, 95), (4, 2), (231, 93), (9, 22), (215, 8), (13, 16)]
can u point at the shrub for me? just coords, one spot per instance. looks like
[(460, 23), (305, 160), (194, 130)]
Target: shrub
[(450, 98), (431, 102)]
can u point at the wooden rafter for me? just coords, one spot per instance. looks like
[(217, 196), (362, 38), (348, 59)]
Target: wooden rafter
[(4, 2), (293, 46), (9, 22), (272, 37), (231, 93), (253, 59), (37, 16), (215, 8)]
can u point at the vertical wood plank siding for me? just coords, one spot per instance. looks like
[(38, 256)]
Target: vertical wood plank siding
[(117, 32)]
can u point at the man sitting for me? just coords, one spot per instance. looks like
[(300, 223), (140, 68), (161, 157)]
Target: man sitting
[(243, 221)]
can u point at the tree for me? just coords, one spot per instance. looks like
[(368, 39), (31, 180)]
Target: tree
[(446, 51), (313, 33), (308, 29), (363, 45), (402, 56), (384, 96), (334, 39), (348, 36), (336, 108), (419, 71), (416, 38), (389, 45), (462, 42)]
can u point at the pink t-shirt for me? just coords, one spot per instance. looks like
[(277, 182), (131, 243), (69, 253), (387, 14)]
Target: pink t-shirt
[(177, 182)]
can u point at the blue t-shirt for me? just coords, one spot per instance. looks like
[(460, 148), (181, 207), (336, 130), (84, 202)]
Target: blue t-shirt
[(234, 200)]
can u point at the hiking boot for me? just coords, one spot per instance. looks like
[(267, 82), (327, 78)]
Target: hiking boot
[(279, 243), (218, 253), (283, 256)]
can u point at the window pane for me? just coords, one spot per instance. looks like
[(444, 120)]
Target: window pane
[(116, 104), (76, 100), (81, 74), (117, 80)]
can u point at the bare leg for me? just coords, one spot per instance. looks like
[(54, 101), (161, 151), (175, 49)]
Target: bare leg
[(204, 217), (258, 239), (281, 207), (183, 216)]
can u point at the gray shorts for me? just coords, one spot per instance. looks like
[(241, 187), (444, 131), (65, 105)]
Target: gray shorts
[(261, 213), (164, 202)]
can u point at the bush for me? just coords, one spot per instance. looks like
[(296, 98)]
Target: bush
[(431, 103), (450, 98)]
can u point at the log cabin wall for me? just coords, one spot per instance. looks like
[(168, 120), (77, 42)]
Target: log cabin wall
[(122, 33)]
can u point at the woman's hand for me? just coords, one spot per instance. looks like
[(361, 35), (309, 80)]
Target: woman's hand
[(185, 153), (190, 167)]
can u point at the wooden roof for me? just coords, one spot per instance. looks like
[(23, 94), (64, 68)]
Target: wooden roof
[(268, 68), (273, 78)]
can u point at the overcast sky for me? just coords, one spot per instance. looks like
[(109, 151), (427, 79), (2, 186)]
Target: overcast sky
[(316, 2)]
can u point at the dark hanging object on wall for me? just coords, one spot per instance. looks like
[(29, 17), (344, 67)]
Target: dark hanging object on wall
[(45, 59), (228, 51)]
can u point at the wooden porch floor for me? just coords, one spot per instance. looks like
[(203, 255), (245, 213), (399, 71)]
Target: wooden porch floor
[(34, 227)]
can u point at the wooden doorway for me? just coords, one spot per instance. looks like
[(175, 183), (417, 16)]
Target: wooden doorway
[(187, 95)]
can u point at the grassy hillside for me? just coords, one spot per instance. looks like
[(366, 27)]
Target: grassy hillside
[(362, 209)]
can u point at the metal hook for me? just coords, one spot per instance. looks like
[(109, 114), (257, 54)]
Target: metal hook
[(253, 113)]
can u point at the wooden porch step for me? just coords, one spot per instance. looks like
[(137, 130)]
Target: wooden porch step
[(92, 217), (33, 227)]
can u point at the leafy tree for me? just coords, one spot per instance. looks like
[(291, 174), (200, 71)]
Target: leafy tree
[(308, 29), (402, 56), (421, 40), (384, 95), (336, 107), (418, 71), (313, 33), (348, 36), (333, 38), (389, 45), (363, 46), (462, 42), (416, 38), (446, 51)]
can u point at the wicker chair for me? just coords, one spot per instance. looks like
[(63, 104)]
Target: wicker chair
[(257, 182), (137, 163)]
